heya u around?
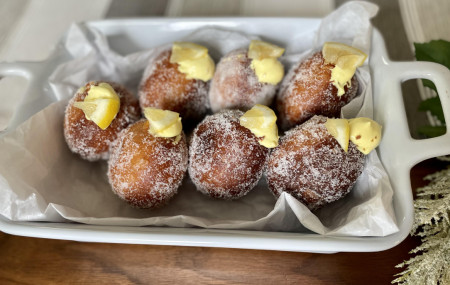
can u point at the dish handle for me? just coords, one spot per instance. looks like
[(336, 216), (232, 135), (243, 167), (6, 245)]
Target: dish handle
[(414, 151), (22, 69), (35, 97)]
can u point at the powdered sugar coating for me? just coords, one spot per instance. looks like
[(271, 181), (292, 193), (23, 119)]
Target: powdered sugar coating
[(87, 139), (225, 159), (311, 165), (236, 86), (164, 87), (307, 90), (144, 170)]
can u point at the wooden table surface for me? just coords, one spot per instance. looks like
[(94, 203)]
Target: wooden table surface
[(26, 260)]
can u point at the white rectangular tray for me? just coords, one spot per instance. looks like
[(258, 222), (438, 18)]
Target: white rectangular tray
[(398, 151)]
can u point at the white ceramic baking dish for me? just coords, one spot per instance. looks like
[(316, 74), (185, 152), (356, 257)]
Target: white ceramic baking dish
[(398, 151)]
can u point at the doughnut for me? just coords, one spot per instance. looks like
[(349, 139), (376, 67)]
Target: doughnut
[(236, 86), (163, 86), (144, 170), (84, 137), (307, 91), (310, 165), (225, 159)]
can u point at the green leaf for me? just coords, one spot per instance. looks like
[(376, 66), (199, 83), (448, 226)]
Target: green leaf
[(432, 132), (434, 106), (436, 51), (429, 84)]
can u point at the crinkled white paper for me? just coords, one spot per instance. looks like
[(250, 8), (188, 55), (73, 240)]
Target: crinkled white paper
[(41, 180)]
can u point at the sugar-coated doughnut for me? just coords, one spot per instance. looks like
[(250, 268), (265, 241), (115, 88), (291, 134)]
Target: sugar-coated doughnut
[(144, 170), (163, 86), (87, 139), (310, 165), (225, 159), (307, 90), (236, 86)]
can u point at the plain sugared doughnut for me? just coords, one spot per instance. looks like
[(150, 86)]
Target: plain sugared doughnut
[(87, 139), (225, 159), (236, 86), (164, 87), (310, 165), (307, 91), (144, 170)]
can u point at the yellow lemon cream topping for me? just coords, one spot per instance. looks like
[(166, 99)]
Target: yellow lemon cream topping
[(261, 121), (163, 123), (345, 59), (265, 61), (193, 60), (340, 130), (365, 134), (101, 105)]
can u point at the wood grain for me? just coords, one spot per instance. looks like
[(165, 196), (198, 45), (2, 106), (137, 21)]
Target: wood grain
[(26, 260), (40, 261)]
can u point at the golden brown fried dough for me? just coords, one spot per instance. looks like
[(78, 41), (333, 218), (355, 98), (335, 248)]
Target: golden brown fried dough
[(225, 159), (307, 91), (236, 86), (164, 87), (144, 170), (87, 139), (310, 165)]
